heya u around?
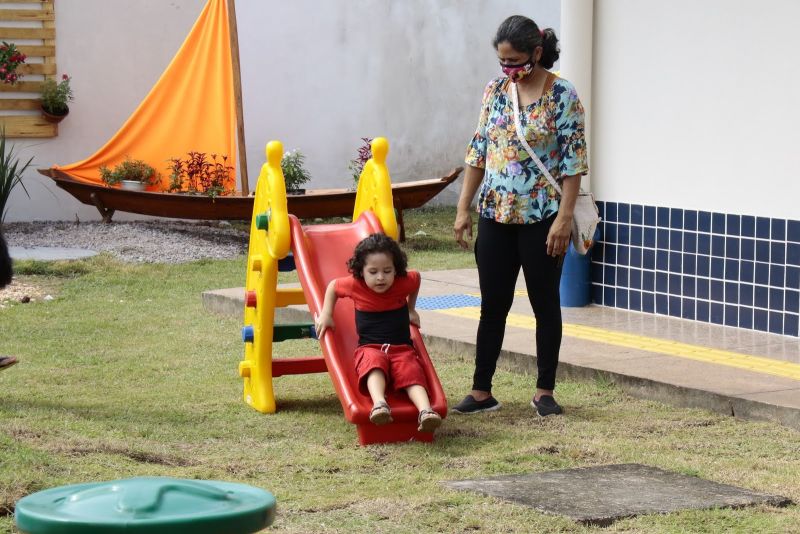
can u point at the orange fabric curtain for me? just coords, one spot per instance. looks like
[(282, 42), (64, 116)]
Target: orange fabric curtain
[(190, 108)]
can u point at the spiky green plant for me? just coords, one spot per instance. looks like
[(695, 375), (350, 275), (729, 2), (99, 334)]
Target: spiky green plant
[(10, 174)]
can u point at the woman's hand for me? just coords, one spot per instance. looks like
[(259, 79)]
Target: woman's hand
[(463, 224), (323, 323), (558, 237), (473, 177)]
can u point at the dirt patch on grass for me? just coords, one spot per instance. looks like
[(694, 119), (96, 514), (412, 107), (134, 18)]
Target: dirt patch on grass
[(7, 506), (47, 442), (451, 432), (22, 291), (11, 493), (24, 434), (240, 471), (135, 455), (8, 500)]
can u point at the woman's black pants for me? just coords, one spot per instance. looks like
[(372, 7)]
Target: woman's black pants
[(500, 250)]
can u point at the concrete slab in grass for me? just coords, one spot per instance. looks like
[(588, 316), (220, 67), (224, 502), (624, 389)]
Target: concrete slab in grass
[(604, 494), (49, 253)]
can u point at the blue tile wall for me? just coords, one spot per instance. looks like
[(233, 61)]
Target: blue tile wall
[(735, 270)]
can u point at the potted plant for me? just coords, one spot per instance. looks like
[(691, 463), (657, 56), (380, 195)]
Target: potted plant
[(133, 174), (10, 59), (55, 97), (294, 173), (199, 174)]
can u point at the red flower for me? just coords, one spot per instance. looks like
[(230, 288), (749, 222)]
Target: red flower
[(10, 60)]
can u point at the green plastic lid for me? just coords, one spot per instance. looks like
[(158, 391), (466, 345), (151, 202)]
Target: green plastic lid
[(147, 505)]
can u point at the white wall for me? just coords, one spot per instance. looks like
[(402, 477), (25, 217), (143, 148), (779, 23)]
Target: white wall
[(317, 75), (695, 104), (114, 52)]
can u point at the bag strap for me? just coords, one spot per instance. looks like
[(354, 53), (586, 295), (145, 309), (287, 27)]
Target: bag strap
[(528, 149)]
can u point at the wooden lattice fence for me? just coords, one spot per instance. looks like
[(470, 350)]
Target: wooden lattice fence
[(33, 30)]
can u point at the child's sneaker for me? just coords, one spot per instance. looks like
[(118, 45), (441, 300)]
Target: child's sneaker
[(7, 361), (470, 405), (546, 405), (380, 414), (429, 421)]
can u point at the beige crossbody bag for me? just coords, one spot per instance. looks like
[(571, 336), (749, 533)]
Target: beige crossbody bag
[(586, 216)]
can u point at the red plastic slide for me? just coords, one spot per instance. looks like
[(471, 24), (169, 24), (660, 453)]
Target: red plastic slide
[(320, 254)]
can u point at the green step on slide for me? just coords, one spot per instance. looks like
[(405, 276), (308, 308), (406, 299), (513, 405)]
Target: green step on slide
[(282, 332)]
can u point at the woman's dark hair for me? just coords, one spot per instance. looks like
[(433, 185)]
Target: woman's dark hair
[(524, 36), (377, 243)]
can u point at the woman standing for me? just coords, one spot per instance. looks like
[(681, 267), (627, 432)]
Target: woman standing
[(522, 222)]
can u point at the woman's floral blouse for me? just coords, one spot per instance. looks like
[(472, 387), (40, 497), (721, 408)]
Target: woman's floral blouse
[(513, 189)]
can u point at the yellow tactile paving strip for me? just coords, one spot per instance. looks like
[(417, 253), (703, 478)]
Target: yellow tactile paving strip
[(659, 346)]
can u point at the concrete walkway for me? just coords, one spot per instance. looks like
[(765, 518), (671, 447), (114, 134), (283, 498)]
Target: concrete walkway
[(49, 253), (743, 373)]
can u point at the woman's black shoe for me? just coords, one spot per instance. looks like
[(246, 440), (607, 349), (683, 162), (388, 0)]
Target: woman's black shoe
[(546, 405), (470, 405)]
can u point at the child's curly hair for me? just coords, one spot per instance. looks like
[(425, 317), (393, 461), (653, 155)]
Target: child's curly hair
[(377, 243)]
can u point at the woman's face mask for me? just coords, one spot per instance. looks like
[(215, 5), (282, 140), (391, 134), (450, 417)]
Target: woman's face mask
[(516, 72)]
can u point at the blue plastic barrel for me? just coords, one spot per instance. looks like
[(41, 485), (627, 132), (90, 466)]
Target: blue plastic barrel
[(576, 278)]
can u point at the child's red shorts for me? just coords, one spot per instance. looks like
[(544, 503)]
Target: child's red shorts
[(400, 364)]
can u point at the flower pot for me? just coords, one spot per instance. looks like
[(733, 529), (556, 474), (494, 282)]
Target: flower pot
[(133, 185), (295, 191), (53, 117)]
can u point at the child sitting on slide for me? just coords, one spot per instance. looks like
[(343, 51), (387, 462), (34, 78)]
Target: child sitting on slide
[(384, 295)]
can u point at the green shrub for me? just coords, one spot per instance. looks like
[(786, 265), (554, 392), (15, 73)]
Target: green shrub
[(294, 174), (131, 169), (56, 95)]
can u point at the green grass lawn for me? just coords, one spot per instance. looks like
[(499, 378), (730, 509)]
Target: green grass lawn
[(124, 374)]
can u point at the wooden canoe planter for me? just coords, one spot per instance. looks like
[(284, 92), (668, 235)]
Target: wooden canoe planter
[(314, 203), (26, 119)]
